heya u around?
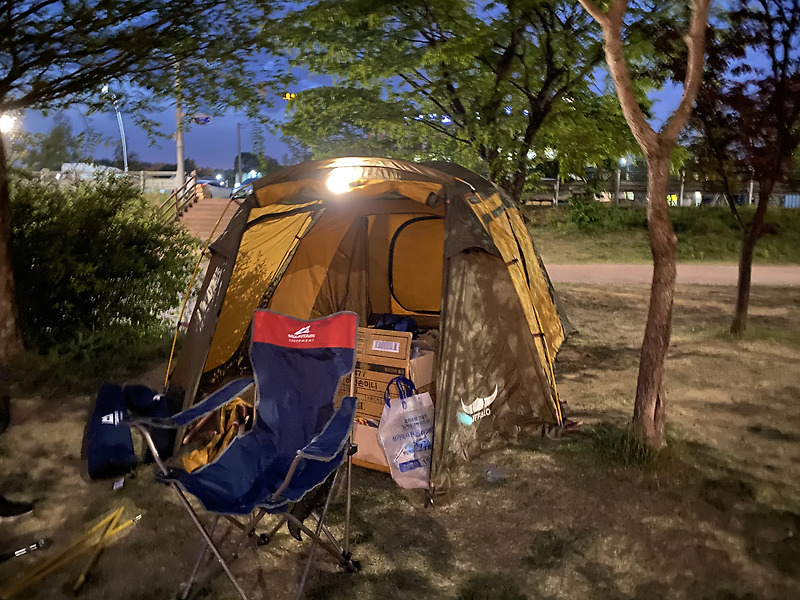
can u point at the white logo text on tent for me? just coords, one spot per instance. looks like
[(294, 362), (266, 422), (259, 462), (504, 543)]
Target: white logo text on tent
[(479, 408)]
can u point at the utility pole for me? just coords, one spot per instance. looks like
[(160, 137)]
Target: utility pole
[(180, 175), (239, 152)]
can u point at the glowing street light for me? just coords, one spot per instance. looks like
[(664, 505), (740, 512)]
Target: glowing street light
[(7, 123)]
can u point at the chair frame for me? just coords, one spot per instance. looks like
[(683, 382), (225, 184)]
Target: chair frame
[(321, 537)]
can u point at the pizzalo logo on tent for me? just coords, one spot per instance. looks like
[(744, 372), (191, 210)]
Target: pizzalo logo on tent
[(477, 409), (302, 335)]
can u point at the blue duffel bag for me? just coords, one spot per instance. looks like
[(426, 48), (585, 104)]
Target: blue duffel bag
[(109, 445)]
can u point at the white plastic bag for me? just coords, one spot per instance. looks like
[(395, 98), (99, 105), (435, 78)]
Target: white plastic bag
[(405, 434)]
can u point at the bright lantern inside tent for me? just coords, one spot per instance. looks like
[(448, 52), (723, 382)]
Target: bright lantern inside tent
[(343, 179)]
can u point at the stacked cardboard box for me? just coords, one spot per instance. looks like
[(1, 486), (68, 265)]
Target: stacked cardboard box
[(382, 356)]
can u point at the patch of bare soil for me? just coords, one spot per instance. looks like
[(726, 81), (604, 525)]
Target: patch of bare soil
[(717, 517)]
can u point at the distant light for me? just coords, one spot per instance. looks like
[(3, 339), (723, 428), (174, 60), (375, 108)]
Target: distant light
[(342, 179), (7, 123), (219, 176)]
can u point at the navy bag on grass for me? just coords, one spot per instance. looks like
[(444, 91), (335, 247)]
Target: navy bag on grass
[(109, 446), (144, 402)]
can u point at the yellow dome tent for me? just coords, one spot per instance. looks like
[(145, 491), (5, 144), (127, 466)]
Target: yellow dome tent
[(432, 241)]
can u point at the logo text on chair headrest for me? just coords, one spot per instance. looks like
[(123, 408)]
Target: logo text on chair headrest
[(302, 335)]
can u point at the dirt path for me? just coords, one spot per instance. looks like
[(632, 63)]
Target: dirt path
[(785, 275)]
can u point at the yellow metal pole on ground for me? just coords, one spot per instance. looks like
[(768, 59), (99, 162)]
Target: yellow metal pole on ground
[(98, 548), (70, 553)]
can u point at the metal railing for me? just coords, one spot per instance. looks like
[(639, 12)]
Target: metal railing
[(179, 200)]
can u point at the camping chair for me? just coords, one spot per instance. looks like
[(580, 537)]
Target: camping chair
[(297, 442)]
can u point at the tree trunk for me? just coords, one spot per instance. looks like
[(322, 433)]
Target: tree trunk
[(739, 323), (752, 234), (10, 340), (650, 405)]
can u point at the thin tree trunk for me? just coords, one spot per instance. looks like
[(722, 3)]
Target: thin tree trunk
[(753, 232), (650, 406), (740, 315), (10, 340)]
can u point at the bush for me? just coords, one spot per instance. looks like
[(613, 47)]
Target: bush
[(94, 270), (584, 212)]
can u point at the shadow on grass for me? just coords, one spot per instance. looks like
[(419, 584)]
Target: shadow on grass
[(586, 363), (397, 583), (490, 586)]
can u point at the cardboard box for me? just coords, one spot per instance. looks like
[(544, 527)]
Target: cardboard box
[(382, 356)]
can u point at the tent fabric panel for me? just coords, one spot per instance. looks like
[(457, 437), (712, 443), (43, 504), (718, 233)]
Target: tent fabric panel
[(380, 231), (382, 228), (346, 286), (189, 363), (227, 244), (464, 231), (297, 291), (539, 285), (485, 345), (492, 214), (418, 244), (277, 209), (418, 191), (264, 248), (185, 377), (369, 168)]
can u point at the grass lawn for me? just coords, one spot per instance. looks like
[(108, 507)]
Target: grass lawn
[(716, 517), (619, 235)]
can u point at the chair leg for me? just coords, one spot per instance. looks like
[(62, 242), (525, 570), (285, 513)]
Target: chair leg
[(318, 541), (187, 585), (349, 481), (208, 540)]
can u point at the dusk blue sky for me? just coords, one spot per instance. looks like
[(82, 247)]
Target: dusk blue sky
[(214, 145)]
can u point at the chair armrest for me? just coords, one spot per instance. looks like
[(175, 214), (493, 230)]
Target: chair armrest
[(330, 440), (141, 426), (214, 401)]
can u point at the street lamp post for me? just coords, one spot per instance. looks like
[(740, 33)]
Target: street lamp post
[(121, 128)]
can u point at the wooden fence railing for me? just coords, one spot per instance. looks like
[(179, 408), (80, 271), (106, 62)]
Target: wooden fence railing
[(179, 200)]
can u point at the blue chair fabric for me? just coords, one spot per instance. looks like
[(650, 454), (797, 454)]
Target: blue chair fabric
[(297, 366)]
